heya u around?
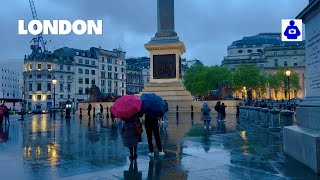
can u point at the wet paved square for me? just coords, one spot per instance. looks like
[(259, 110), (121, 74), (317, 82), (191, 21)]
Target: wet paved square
[(42, 148)]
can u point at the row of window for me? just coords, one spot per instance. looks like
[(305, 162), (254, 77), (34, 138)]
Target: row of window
[(49, 76), (285, 63), (8, 95), (39, 87), (86, 71), (8, 71), (10, 79), (39, 97), (276, 53), (250, 51), (49, 67), (115, 91), (87, 62)]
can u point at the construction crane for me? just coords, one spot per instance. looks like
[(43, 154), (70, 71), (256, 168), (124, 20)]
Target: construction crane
[(39, 45)]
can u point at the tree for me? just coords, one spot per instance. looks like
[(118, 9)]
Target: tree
[(279, 81), (200, 79), (250, 77)]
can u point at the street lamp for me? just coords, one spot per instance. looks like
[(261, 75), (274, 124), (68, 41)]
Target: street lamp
[(288, 73), (54, 82)]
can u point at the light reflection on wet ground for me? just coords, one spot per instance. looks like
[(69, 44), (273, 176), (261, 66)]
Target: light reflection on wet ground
[(42, 148)]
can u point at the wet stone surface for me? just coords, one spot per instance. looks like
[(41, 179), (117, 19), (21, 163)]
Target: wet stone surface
[(43, 148)]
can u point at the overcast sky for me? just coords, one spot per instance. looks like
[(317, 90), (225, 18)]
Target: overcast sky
[(206, 27)]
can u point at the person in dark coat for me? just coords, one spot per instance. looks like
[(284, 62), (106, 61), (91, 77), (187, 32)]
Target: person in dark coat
[(217, 109), (152, 127), (89, 110), (130, 137), (101, 110), (223, 111), (6, 114)]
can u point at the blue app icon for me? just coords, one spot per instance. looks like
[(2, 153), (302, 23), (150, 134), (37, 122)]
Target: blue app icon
[(292, 31)]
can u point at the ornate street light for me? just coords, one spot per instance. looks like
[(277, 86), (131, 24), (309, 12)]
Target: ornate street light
[(54, 82), (288, 73)]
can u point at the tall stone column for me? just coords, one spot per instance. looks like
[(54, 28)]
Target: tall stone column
[(302, 141)]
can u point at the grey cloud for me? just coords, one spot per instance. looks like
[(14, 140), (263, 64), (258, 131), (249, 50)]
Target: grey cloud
[(206, 27)]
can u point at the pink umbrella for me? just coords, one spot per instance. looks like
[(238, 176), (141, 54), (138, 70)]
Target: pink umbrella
[(126, 106)]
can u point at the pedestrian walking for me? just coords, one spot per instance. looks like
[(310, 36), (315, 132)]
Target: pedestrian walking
[(152, 127), (217, 109), (98, 111), (6, 114), (101, 110), (206, 115), (223, 111), (1, 114), (132, 129), (89, 110)]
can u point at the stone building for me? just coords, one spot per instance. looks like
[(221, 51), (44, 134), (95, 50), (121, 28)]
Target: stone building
[(9, 87), (268, 52), (76, 71)]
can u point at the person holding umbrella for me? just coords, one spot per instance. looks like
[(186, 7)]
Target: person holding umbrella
[(154, 108), (127, 108)]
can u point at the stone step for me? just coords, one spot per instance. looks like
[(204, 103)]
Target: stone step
[(172, 84), (178, 98), (172, 93), (163, 88)]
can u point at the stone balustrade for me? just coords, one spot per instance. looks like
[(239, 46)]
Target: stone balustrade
[(264, 113), (286, 117), (257, 119), (274, 120)]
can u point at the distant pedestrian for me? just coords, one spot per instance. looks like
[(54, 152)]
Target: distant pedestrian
[(263, 104), (101, 110), (112, 116), (206, 115), (132, 129), (1, 114), (89, 110), (152, 127), (6, 114), (217, 109), (223, 111), (98, 111)]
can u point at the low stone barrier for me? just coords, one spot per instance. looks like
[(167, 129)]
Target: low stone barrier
[(286, 117), (264, 112), (257, 119), (274, 120)]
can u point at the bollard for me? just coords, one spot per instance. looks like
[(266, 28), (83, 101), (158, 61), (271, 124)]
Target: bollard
[(257, 120), (251, 114), (241, 113), (107, 109), (177, 108), (264, 115), (73, 111), (191, 108), (286, 118), (94, 112), (246, 113), (274, 121), (80, 112)]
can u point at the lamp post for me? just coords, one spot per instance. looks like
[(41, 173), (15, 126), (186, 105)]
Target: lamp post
[(54, 82), (288, 73)]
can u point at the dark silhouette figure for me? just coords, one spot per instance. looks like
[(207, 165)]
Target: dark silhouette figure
[(152, 127), (89, 110), (292, 31), (223, 111), (133, 172)]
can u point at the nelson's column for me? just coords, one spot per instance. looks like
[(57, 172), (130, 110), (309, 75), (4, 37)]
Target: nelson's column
[(165, 57)]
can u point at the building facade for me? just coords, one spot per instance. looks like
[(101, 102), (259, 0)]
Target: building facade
[(268, 52), (9, 87), (75, 71)]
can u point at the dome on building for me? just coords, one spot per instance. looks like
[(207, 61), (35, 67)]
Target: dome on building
[(262, 38)]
